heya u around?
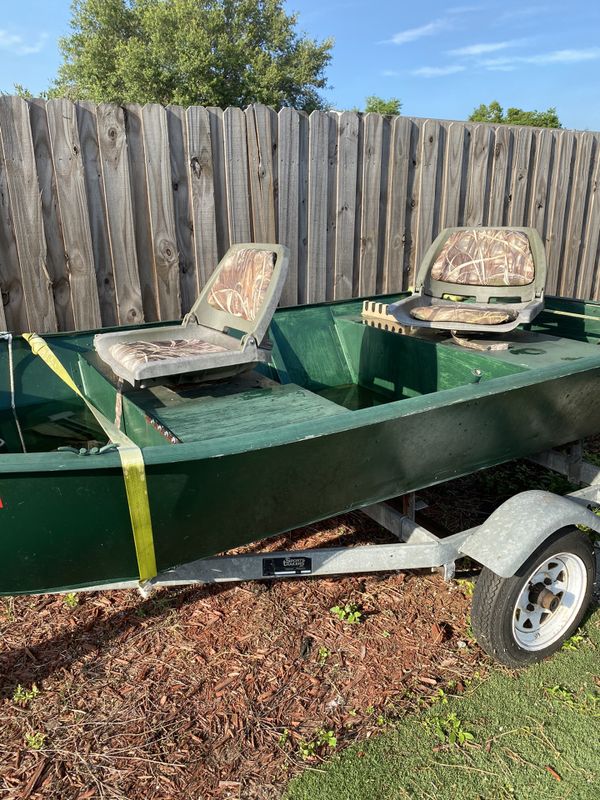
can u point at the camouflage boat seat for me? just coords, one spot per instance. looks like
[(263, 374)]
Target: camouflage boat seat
[(477, 279), (223, 332)]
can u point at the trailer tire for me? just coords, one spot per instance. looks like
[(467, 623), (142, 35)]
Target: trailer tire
[(525, 618)]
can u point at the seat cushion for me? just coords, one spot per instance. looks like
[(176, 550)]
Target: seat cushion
[(485, 257), (242, 283), (471, 316), (133, 355)]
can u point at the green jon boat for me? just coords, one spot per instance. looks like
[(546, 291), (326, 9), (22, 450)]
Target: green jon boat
[(344, 415), (133, 457)]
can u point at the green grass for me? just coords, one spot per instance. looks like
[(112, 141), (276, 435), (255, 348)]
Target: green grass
[(534, 734)]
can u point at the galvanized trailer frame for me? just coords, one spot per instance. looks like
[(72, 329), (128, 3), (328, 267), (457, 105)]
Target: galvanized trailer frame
[(502, 543), (538, 570)]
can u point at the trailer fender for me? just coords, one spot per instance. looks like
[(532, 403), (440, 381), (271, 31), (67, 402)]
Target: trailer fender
[(519, 526)]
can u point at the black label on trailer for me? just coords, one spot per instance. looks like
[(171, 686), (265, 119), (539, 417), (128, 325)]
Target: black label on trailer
[(287, 565)]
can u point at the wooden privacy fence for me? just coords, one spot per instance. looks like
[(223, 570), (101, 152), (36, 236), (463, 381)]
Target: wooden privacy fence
[(113, 215)]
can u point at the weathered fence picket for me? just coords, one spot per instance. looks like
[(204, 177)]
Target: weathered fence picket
[(112, 142), (582, 173), (346, 201), (331, 204), (316, 268), (236, 175), (477, 195), (500, 178), (12, 308), (26, 214), (177, 122), (540, 180), (370, 196), (136, 163), (162, 213), (561, 196), (114, 215), (399, 168), (198, 155), (589, 256), (73, 212), (288, 150), (56, 262), (90, 151), (262, 172)]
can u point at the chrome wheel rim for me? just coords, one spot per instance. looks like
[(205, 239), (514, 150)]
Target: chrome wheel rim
[(549, 602)]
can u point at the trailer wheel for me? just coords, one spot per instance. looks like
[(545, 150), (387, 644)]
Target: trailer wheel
[(523, 619)]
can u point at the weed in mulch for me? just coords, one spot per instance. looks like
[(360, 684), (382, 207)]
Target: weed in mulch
[(221, 691)]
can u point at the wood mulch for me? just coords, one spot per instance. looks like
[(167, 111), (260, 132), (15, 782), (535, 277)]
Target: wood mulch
[(222, 691)]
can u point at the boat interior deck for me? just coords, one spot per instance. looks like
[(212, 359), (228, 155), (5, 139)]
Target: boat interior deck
[(325, 362), (246, 404)]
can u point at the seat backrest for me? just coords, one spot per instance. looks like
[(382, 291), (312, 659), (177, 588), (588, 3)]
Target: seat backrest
[(485, 263), (243, 291)]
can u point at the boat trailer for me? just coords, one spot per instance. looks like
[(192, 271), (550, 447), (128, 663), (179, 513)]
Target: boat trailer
[(539, 567), (502, 543)]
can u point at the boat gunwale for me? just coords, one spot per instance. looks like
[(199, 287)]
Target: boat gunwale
[(155, 455)]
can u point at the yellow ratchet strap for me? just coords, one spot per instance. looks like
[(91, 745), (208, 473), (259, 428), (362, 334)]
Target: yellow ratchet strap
[(132, 461)]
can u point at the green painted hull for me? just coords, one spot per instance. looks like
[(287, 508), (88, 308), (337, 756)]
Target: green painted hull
[(350, 416)]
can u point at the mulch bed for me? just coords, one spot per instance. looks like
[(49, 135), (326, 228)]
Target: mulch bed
[(216, 692), (226, 691)]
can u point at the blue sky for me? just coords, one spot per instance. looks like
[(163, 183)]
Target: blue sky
[(441, 59)]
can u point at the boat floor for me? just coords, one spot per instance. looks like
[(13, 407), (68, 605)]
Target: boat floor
[(249, 403)]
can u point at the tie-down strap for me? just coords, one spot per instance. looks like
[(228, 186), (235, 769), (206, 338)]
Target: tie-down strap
[(132, 462)]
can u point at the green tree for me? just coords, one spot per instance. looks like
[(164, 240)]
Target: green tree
[(22, 91), (378, 105), (208, 52), (515, 116), (538, 119)]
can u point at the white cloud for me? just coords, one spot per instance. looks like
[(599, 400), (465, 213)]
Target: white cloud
[(15, 44), (566, 56), (8, 40), (390, 73), (574, 56), (438, 72), (433, 27), (523, 13), (484, 47), (412, 34), (503, 63)]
